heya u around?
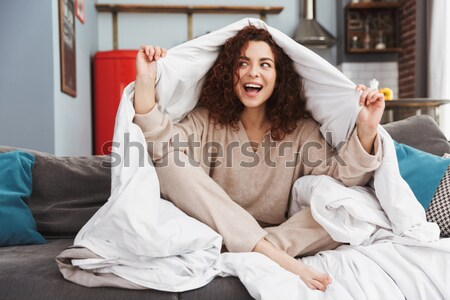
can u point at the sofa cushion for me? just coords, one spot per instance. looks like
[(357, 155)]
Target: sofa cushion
[(420, 132), (67, 191), (221, 288), (30, 272), (17, 225)]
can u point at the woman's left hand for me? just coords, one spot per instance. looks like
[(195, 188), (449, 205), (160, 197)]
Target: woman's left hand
[(373, 107)]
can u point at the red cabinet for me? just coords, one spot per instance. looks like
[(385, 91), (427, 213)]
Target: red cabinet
[(113, 71)]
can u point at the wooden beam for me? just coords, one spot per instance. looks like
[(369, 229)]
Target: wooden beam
[(262, 11), (190, 26), (365, 5), (115, 30), (197, 9)]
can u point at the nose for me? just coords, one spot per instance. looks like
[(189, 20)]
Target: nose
[(253, 72)]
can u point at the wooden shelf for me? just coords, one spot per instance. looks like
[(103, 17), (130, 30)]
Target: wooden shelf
[(372, 23), (202, 9), (371, 5), (189, 10), (365, 51)]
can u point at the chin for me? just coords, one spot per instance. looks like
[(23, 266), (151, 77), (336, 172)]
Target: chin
[(252, 103)]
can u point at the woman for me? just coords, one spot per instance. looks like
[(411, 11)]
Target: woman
[(232, 161)]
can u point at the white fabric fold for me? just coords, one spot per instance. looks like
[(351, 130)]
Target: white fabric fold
[(148, 241)]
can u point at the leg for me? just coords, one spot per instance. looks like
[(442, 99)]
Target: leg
[(199, 196), (195, 193), (300, 235)]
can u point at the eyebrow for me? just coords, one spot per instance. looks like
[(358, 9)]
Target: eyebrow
[(261, 59)]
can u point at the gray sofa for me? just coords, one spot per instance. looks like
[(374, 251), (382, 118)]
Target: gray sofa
[(68, 190)]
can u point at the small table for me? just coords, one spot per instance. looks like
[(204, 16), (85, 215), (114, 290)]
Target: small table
[(419, 104)]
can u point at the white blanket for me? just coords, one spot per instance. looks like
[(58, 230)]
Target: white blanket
[(148, 241)]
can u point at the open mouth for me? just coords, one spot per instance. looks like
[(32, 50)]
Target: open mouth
[(252, 88)]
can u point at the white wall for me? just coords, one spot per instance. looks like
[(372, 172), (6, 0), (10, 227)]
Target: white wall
[(326, 15), (73, 116), (169, 30), (26, 75), (385, 72), (34, 113)]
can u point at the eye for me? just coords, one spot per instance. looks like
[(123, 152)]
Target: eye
[(243, 64), (265, 65)]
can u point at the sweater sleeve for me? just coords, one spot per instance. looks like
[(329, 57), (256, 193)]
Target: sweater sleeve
[(162, 135), (352, 164)]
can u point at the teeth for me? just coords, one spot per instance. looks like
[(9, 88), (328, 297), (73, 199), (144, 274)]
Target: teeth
[(252, 85)]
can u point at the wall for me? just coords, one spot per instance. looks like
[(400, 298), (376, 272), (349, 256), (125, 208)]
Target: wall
[(168, 30), (422, 38), (26, 75), (407, 59), (34, 113), (73, 116), (386, 73)]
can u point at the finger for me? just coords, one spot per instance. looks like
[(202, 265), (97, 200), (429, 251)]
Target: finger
[(157, 52), (370, 96), (146, 50), (324, 279), (360, 87), (317, 285), (150, 51), (163, 52), (364, 96), (377, 97)]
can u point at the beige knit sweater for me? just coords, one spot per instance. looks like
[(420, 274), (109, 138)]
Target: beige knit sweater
[(258, 181)]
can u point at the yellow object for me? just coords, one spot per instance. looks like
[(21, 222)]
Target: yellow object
[(388, 94)]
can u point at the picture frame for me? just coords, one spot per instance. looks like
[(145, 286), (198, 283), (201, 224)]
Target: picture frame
[(67, 44), (80, 13)]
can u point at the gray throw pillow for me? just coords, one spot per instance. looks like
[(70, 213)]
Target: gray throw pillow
[(420, 132), (67, 191)]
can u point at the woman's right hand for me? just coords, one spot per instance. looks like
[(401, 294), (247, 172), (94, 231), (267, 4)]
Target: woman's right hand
[(146, 60), (144, 92)]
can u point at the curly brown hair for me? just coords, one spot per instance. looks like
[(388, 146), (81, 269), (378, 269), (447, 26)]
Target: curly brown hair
[(284, 108)]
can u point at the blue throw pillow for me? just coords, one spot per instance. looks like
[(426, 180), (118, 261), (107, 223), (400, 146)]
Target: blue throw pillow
[(421, 170), (17, 225)]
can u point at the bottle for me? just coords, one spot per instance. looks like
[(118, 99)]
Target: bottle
[(380, 41), (367, 42), (355, 42)]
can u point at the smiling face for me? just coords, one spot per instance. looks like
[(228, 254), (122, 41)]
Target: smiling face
[(256, 74)]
